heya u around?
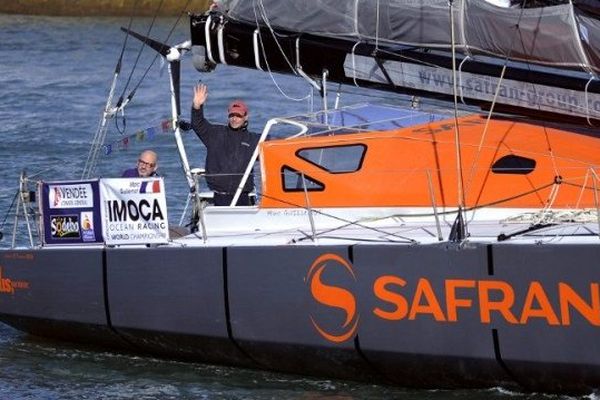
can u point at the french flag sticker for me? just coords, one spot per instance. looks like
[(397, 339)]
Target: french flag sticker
[(150, 187)]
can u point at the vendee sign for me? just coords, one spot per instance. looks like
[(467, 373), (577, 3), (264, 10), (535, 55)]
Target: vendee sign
[(71, 212), (134, 211)]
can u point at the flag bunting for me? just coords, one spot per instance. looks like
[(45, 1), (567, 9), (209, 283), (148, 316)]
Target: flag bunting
[(139, 136)]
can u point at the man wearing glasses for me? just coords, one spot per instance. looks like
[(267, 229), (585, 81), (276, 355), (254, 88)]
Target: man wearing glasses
[(229, 149), (146, 166)]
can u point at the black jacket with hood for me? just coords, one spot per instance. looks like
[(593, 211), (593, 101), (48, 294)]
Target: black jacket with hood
[(228, 152)]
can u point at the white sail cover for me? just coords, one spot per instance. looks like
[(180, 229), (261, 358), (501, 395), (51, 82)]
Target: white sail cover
[(564, 35)]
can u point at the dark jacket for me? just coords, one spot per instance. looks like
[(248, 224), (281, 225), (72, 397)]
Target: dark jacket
[(228, 152)]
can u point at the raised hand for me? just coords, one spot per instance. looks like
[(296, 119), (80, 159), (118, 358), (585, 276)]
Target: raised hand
[(200, 95)]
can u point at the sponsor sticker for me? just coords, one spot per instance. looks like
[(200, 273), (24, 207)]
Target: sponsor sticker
[(64, 226), (70, 196), (87, 226), (9, 286)]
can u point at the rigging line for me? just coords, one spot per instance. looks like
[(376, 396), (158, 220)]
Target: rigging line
[(552, 157), (485, 131), (552, 197), (265, 18), (491, 110), (580, 49), (100, 134), (264, 53), (587, 102), (8, 210), (473, 208), (533, 85), (166, 40), (459, 172), (583, 187), (476, 207), (133, 8), (354, 63), (506, 199), (460, 82), (142, 46), (377, 28), (328, 215), (404, 56), (346, 238)]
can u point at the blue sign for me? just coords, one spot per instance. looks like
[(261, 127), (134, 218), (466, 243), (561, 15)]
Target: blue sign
[(71, 212)]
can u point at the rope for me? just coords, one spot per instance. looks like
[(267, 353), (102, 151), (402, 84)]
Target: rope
[(8, 211), (491, 110), (139, 54), (100, 135), (325, 214), (133, 7), (264, 53), (166, 40)]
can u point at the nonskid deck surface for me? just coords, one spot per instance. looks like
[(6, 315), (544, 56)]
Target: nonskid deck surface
[(396, 230)]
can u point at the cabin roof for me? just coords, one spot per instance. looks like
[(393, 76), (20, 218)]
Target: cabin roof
[(364, 117)]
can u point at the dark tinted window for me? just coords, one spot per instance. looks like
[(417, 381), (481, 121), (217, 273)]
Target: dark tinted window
[(292, 181), (336, 159), (512, 164)]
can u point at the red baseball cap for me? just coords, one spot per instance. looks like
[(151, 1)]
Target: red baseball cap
[(238, 107)]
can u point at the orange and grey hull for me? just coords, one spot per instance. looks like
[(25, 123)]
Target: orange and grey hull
[(519, 315)]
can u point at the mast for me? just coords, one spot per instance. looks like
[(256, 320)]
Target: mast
[(173, 56)]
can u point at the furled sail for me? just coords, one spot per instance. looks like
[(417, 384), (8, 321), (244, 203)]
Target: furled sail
[(540, 61), (564, 35)]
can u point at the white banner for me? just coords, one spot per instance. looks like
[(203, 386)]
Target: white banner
[(65, 195), (134, 211)]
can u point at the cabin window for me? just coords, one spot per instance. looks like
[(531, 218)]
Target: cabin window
[(292, 181), (512, 164), (335, 159)]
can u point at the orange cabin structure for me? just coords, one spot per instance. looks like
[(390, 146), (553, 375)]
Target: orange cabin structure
[(511, 163)]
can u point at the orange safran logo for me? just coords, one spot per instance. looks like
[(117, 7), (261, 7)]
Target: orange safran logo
[(333, 296), (9, 286)]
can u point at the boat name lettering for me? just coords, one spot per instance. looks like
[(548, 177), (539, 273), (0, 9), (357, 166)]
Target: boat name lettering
[(299, 212), (287, 213), (64, 226), (491, 298), (448, 301), (130, 210)]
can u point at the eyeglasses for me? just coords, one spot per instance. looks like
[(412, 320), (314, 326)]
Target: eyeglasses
[(146, 163), (236, 115)]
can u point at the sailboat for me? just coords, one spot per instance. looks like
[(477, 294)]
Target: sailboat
[(442, 247)]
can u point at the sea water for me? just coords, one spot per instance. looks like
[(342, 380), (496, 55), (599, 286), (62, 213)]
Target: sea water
[(55, 75)]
